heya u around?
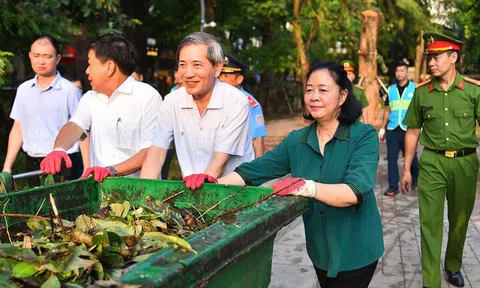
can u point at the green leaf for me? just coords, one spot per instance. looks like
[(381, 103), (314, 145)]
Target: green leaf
[(74, 284), (84, 223), (141, 258), (117, 243), (6, 267), (10, 251), (5, 284), (24, 269), (34, 223), (98, 268), (117, 209), (52, 282), (112, 259), (126, 208), (101, 238), (158, 236)]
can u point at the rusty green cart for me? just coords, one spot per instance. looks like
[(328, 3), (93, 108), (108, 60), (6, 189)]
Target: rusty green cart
[(237, 254)]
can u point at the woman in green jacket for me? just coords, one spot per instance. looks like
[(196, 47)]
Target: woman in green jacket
[(334, 163)]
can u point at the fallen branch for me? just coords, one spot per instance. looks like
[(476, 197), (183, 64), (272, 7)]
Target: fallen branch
[(233, 194), (173, 196), (55, 211), (23, 215), (6, 222), (215, 219)]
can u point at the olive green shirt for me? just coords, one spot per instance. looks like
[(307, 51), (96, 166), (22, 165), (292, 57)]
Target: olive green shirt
[(360, 94), (447, 117), (338, 239)]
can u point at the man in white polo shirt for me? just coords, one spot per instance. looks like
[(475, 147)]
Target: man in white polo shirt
[(120, 114), (42, 106), (207, 119)]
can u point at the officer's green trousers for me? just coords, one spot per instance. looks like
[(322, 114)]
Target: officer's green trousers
[(439, 178)]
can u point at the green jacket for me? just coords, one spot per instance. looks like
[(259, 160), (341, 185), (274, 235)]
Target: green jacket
[(447, 117), (360, 94), (338, 239)]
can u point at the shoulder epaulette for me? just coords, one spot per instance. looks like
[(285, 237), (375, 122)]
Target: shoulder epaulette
[(252, 101), (359, 87), (471, 80), (423, 83)]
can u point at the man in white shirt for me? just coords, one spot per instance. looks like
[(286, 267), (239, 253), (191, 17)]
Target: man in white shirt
[(208, 119), (41, 107), (120, 113)]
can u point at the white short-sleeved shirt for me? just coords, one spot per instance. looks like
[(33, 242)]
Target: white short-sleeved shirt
[(222, 128), (120, 126), (43, 112)]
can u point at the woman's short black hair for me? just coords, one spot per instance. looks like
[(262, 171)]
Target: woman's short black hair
[(116, 48), (351, 108)]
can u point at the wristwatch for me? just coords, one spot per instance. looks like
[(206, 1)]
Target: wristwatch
[(113, 172)]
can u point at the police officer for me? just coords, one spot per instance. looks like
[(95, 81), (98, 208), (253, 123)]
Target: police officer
[(233, 72), (446, 107), (358, 91), (399, 97)]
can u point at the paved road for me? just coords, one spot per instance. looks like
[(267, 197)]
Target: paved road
[(400, 265)]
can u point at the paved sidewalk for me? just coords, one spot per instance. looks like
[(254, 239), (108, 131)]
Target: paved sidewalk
[(400, 265)]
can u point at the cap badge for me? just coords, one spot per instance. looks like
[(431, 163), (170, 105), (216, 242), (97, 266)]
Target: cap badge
[(430, 40)]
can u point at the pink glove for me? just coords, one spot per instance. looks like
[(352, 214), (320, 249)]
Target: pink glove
[(295, 186), (196, 181), (99, 173), (52, 163)]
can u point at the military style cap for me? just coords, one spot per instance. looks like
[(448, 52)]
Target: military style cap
[(232, 65), (438, 43), (348, 66)]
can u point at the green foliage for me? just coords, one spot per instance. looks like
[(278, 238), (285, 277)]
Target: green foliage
[(94, 247), (22, 21), (468, 17), (5, 66)]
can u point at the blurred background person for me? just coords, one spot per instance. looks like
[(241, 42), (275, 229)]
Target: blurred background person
[(41, 107), (233, 73)]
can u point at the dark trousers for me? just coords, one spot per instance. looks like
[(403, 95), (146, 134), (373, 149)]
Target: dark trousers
[(395, 144), (166, 164), (358, 278), (33, 163)]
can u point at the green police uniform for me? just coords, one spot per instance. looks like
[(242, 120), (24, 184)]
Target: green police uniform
[(448, 168), (338, 239), (360, 94), (358, 91)]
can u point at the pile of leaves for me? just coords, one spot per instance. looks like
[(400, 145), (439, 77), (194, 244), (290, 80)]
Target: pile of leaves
[(96, 247)]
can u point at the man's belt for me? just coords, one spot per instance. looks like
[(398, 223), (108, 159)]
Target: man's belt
[(455, 153)]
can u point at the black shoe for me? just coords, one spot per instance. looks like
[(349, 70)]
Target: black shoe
[(391, 192), (455, 278)]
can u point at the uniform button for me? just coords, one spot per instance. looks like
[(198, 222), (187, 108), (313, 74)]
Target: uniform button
[(446, 109), (448, 139), (428, 115), (446, 124), (181, 133), (201, 128), (446, 94), (464, 114)]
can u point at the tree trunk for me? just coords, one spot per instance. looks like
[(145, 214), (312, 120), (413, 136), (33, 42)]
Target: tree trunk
[(302, 55), (368, 63), (423, 76), (419, 56)]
